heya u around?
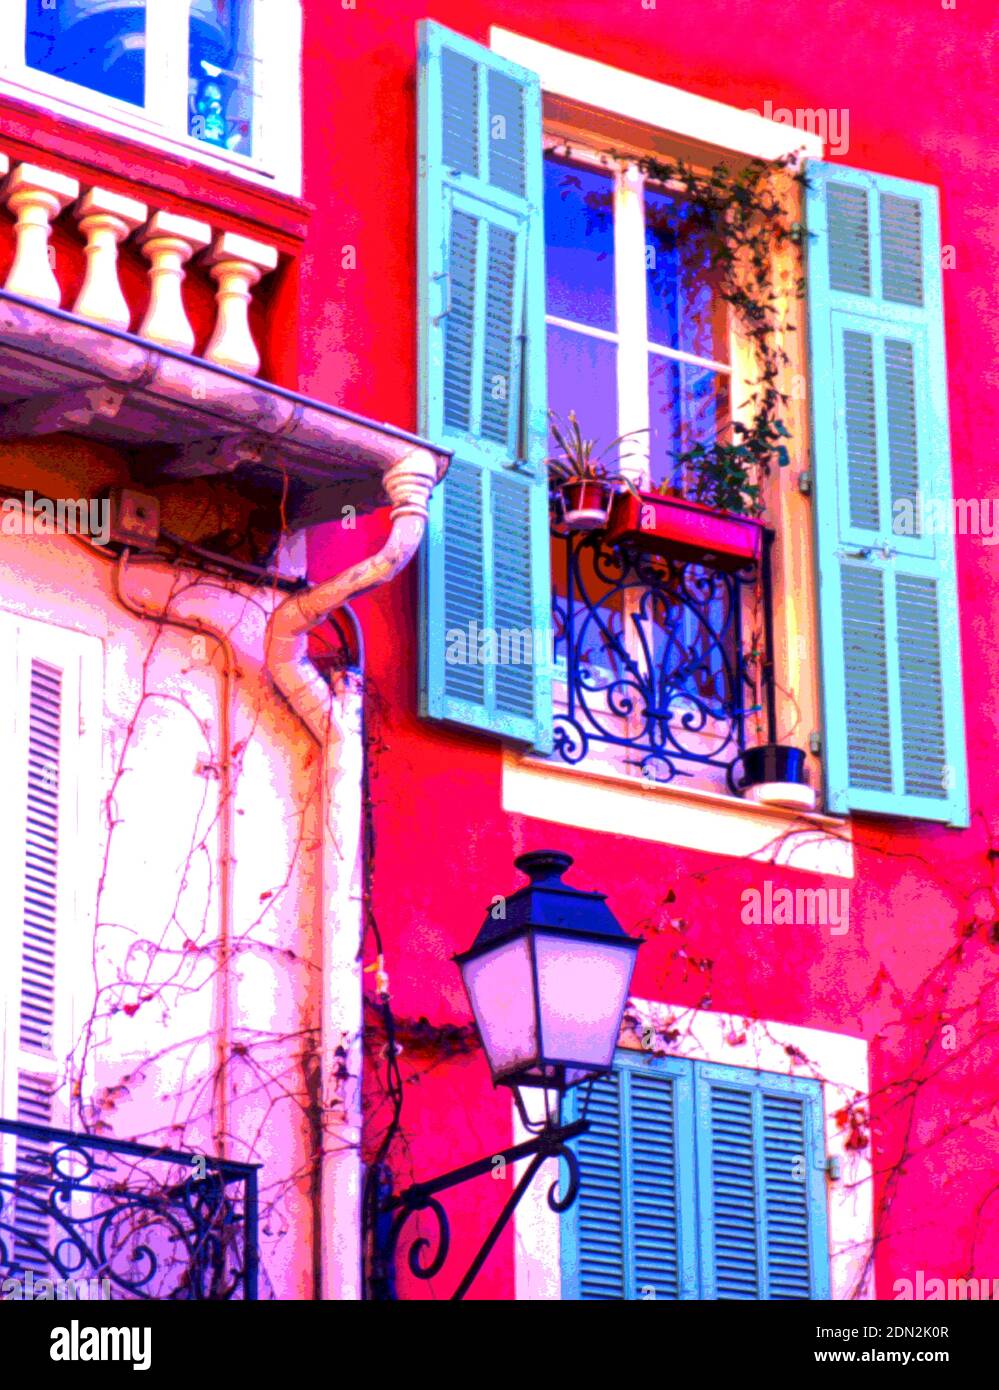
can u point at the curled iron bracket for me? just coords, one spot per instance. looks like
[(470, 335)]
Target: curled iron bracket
[(427, 1255)]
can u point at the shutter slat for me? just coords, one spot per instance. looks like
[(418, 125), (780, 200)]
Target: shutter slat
[(507, 134), (40, 894), (31, 1226), (849, 239), (901, 249), (861, 429), (600, 1218)]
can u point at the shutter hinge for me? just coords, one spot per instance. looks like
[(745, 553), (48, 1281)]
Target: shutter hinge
[(833, 1167), (805, 482), (815, 743)]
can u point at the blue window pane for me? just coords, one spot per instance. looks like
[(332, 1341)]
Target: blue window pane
[(582, 376), (221, 74), (98, 44), (685, 311), (579, 238), (688, 405)]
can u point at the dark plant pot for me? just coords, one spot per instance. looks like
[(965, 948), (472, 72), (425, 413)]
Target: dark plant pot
[(687, 531), (774, 762), (586, 503), (775, 774)]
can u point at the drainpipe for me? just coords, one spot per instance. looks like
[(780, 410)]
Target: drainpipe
[(333, 718)]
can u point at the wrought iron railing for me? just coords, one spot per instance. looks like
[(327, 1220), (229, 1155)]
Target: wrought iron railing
[(130, 1220), (654, 658)]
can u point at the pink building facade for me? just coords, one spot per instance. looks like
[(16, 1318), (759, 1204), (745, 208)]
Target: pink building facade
[(297, 659)]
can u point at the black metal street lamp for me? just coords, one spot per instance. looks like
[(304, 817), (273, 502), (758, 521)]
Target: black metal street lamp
[(548, 978)]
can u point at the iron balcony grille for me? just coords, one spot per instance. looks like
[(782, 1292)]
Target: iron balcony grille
[(664, 660), (153, 1223)]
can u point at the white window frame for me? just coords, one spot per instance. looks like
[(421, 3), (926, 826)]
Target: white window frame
[(631, 333), (715, 131), (839, 1061), (162, 123)]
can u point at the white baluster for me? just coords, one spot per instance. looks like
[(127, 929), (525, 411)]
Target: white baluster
[(168, 243), (105, 220), (237, 263), (35, 196)]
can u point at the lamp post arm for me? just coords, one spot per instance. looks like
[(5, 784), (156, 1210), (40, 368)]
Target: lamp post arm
[(551, 1142)]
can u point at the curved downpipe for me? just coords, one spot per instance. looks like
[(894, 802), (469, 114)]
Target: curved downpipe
[(333, 718)]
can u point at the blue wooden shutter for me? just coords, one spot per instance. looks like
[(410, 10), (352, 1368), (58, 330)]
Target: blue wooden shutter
[(631, 1234), (893, 720), (486, 565), (761, 1185)]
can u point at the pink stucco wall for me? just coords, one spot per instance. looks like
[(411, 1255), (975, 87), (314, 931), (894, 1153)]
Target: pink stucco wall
[(916, 955)]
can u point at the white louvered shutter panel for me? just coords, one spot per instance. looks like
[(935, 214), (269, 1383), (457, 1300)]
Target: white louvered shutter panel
[(40, 732)]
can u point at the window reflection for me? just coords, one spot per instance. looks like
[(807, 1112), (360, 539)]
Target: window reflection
[(579, 240), (688, 405), (685, 311), (221, 74), (98, 44), (582, 376)]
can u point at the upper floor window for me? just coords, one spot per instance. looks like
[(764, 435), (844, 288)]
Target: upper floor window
[(608, 274), (219, 77)]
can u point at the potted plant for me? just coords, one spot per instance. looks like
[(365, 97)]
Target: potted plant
[(775, 774), (665, 523), (716, 521), (582, 480)]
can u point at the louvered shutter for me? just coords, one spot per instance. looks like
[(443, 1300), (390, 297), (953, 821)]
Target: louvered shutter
[(631, 1234), (893, 720), (485, 576), (761, 1185), (40, 672)]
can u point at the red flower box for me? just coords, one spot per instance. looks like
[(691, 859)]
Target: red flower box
[(683, 530)]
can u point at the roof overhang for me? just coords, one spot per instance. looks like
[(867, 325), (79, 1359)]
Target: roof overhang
[(179, 416)]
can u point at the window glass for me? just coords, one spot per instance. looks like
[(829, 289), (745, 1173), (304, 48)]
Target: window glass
[(582, 376), (98, 44), (688, 405), (221, 74), (579, 239), (688, 401), (684, 308)]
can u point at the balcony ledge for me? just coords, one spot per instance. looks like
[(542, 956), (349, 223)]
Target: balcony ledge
[(185, 417), (686, 817)]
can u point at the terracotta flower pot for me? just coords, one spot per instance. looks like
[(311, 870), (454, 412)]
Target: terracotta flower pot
[(586, 503), (682, 530)]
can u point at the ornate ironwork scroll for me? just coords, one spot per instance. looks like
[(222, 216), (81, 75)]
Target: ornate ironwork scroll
[(652, 652), (154, 1223)]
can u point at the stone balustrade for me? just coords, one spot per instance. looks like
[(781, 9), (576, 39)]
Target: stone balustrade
[(174, 246)]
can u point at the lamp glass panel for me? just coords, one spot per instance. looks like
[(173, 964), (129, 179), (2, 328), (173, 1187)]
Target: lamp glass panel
[(583, 987), (500, 987)]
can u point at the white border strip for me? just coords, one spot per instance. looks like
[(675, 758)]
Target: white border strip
[(839, 1061), (654, 103), (690, 819)]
